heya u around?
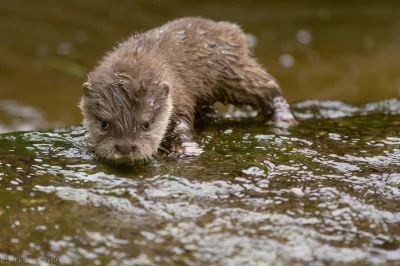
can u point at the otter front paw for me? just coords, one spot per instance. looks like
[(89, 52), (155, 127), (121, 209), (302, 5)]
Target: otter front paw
[(186, 148)]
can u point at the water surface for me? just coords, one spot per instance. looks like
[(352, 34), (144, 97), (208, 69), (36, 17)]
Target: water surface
[(324, 193)]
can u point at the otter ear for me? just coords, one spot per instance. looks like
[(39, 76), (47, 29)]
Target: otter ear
[(87, 89), (164, 89), (161, 93)]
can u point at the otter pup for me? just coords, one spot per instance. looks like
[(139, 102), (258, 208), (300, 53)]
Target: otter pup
[(149, 86)]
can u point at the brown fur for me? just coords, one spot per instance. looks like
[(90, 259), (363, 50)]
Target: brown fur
[(162, 75)]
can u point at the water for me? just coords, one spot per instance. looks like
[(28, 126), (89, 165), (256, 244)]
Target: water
[(326, 192)]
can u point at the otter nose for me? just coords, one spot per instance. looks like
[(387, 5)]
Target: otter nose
[(124, 148)]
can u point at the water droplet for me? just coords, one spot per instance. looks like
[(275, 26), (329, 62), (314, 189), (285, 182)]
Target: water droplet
[(252, 39), (64, 48), (303, 36), (286, 60)]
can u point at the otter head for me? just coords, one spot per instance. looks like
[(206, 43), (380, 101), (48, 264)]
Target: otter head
[(127, 113)]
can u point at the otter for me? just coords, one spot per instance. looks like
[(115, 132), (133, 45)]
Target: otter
[(148, 87)]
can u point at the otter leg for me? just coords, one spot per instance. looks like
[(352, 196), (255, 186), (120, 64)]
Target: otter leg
[(183, 136), (257, 88)]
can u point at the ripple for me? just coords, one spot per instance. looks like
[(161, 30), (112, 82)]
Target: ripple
[(336, 109)]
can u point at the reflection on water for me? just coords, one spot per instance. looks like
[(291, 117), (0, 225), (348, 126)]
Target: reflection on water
[(318, 50), (18, 117), (326, 192)]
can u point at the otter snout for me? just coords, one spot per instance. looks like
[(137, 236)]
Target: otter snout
[(125, 148)]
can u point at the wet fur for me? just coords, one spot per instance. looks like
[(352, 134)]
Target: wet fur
[(163, 74)]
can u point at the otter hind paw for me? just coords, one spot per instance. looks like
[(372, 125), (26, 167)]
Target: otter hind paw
[(282, 116)]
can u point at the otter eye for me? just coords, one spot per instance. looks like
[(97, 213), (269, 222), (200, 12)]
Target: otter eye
[(104, 125), (146, 125)]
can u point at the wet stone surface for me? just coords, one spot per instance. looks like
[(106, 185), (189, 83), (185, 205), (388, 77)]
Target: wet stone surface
[(325, 192)]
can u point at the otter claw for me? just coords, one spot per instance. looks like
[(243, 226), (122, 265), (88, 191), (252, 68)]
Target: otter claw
[(188, 148)]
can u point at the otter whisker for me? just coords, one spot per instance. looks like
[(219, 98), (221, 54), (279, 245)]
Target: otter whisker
[(162, 148)]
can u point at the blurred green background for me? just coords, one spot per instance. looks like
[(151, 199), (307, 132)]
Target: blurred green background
[(326, 50)]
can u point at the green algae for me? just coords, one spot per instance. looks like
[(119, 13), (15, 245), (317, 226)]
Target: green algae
[(326, 192)]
